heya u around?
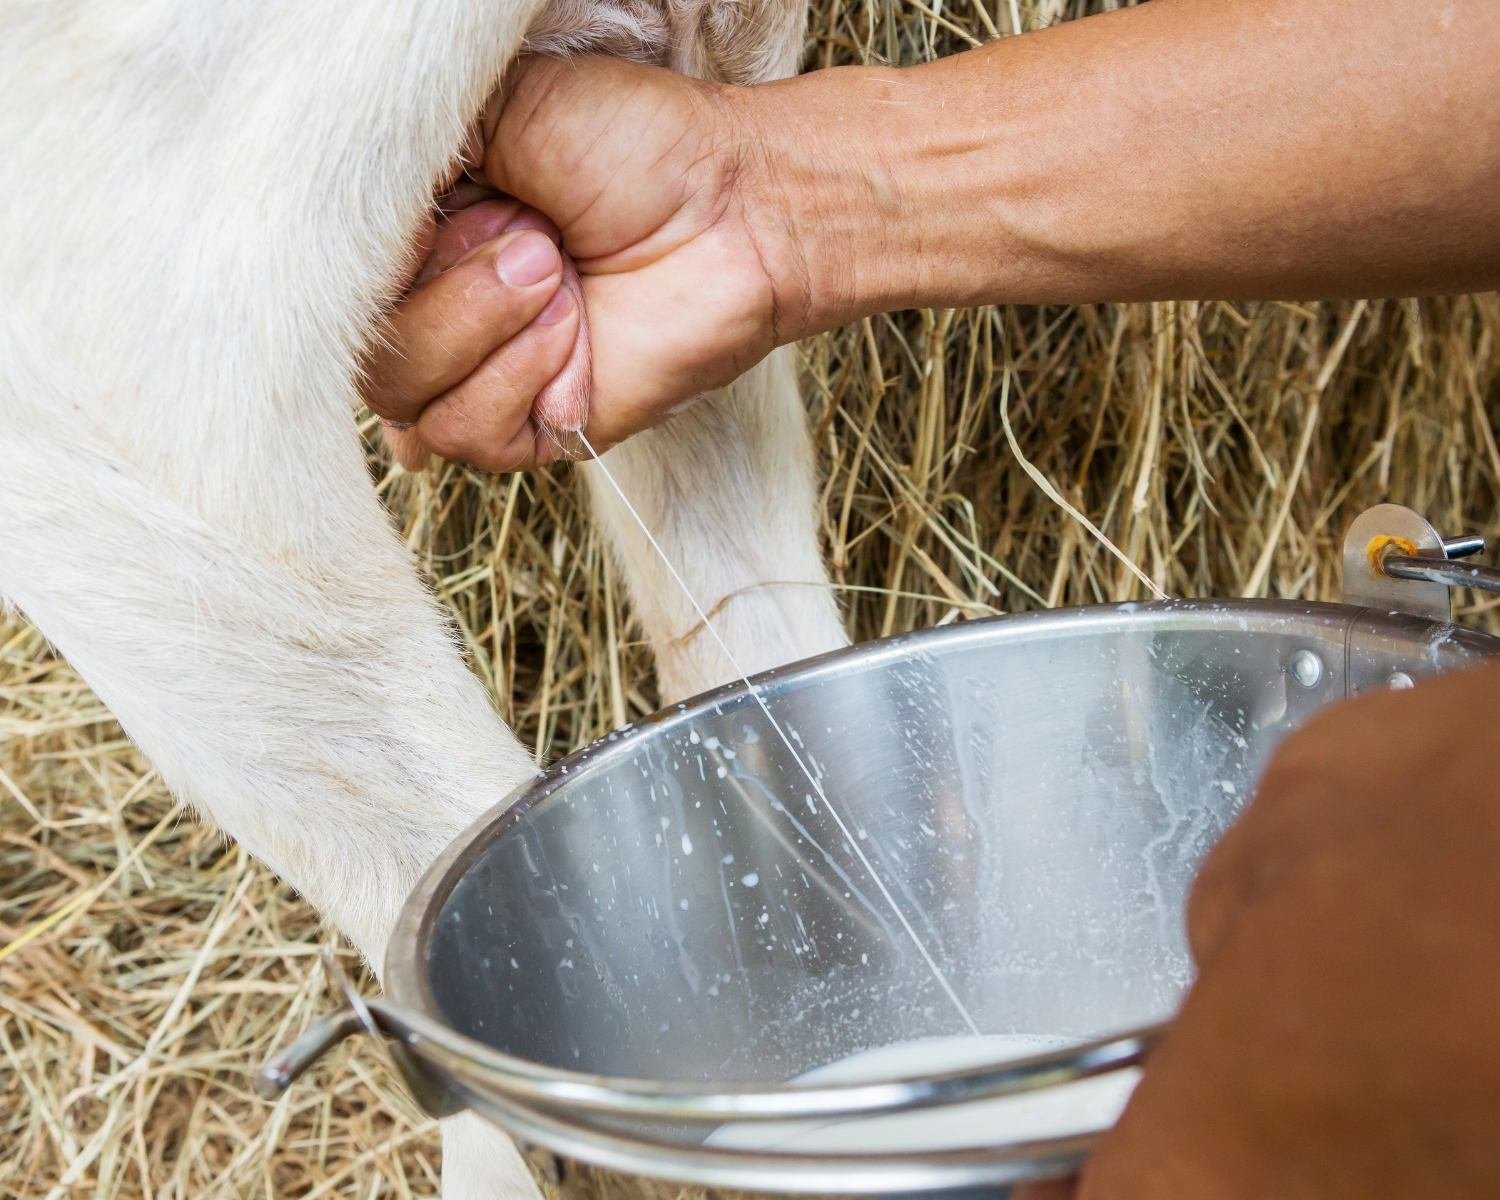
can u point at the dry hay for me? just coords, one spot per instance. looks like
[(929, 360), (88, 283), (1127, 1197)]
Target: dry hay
[(147, 966)]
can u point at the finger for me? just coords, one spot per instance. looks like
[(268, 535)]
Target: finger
[(486, 420), (449, 326), (548, 109), (467, 228)]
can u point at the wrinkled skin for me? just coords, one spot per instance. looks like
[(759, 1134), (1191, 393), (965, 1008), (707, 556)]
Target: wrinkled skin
[(473, 343), (664, 217)]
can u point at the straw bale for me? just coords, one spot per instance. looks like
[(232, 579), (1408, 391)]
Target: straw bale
[(146, 966)]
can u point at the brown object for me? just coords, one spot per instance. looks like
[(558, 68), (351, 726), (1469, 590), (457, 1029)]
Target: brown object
[(1249, 433)]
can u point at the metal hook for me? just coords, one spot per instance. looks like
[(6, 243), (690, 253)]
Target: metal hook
[(1430, 569), (321, 1036), (1394, 560)]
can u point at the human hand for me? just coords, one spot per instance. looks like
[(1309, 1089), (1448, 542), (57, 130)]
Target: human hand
[(1133, 155), (655, 182), (651, 180), (489, 324), (1342, 1038)]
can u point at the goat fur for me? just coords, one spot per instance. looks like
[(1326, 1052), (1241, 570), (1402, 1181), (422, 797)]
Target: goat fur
[(206, 209)]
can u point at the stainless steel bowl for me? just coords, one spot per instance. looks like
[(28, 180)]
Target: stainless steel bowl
[(661, 930)]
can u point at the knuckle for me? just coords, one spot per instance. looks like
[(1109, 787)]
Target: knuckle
[(500, 459), (386, 401), (447, 437)]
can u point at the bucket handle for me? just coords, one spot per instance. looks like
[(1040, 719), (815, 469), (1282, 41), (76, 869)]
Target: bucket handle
[(440, 1065), (358, 1015), (290, 1064), (1395, 560)]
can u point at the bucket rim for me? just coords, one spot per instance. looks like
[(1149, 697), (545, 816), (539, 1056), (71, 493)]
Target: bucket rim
[(513, 1085)]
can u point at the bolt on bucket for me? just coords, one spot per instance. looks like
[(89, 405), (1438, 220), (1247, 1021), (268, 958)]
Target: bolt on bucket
[(663, 968)]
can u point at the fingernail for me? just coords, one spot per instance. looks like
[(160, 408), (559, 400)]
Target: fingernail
[(527, 258), (557, 308)]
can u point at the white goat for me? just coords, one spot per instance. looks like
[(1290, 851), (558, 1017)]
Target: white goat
[(206, 206)]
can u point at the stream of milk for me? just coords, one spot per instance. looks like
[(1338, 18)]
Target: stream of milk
[(1084, 1107), (817, 786)]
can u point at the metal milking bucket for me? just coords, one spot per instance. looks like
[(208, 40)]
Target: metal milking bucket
[(626, 962)]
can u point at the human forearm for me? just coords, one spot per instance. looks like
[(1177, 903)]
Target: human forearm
[(1185, 148), (1188, 148)]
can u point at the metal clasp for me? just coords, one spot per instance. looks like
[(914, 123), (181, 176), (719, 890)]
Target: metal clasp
[(1395, 561), (319, 1038), (358, 1015)]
